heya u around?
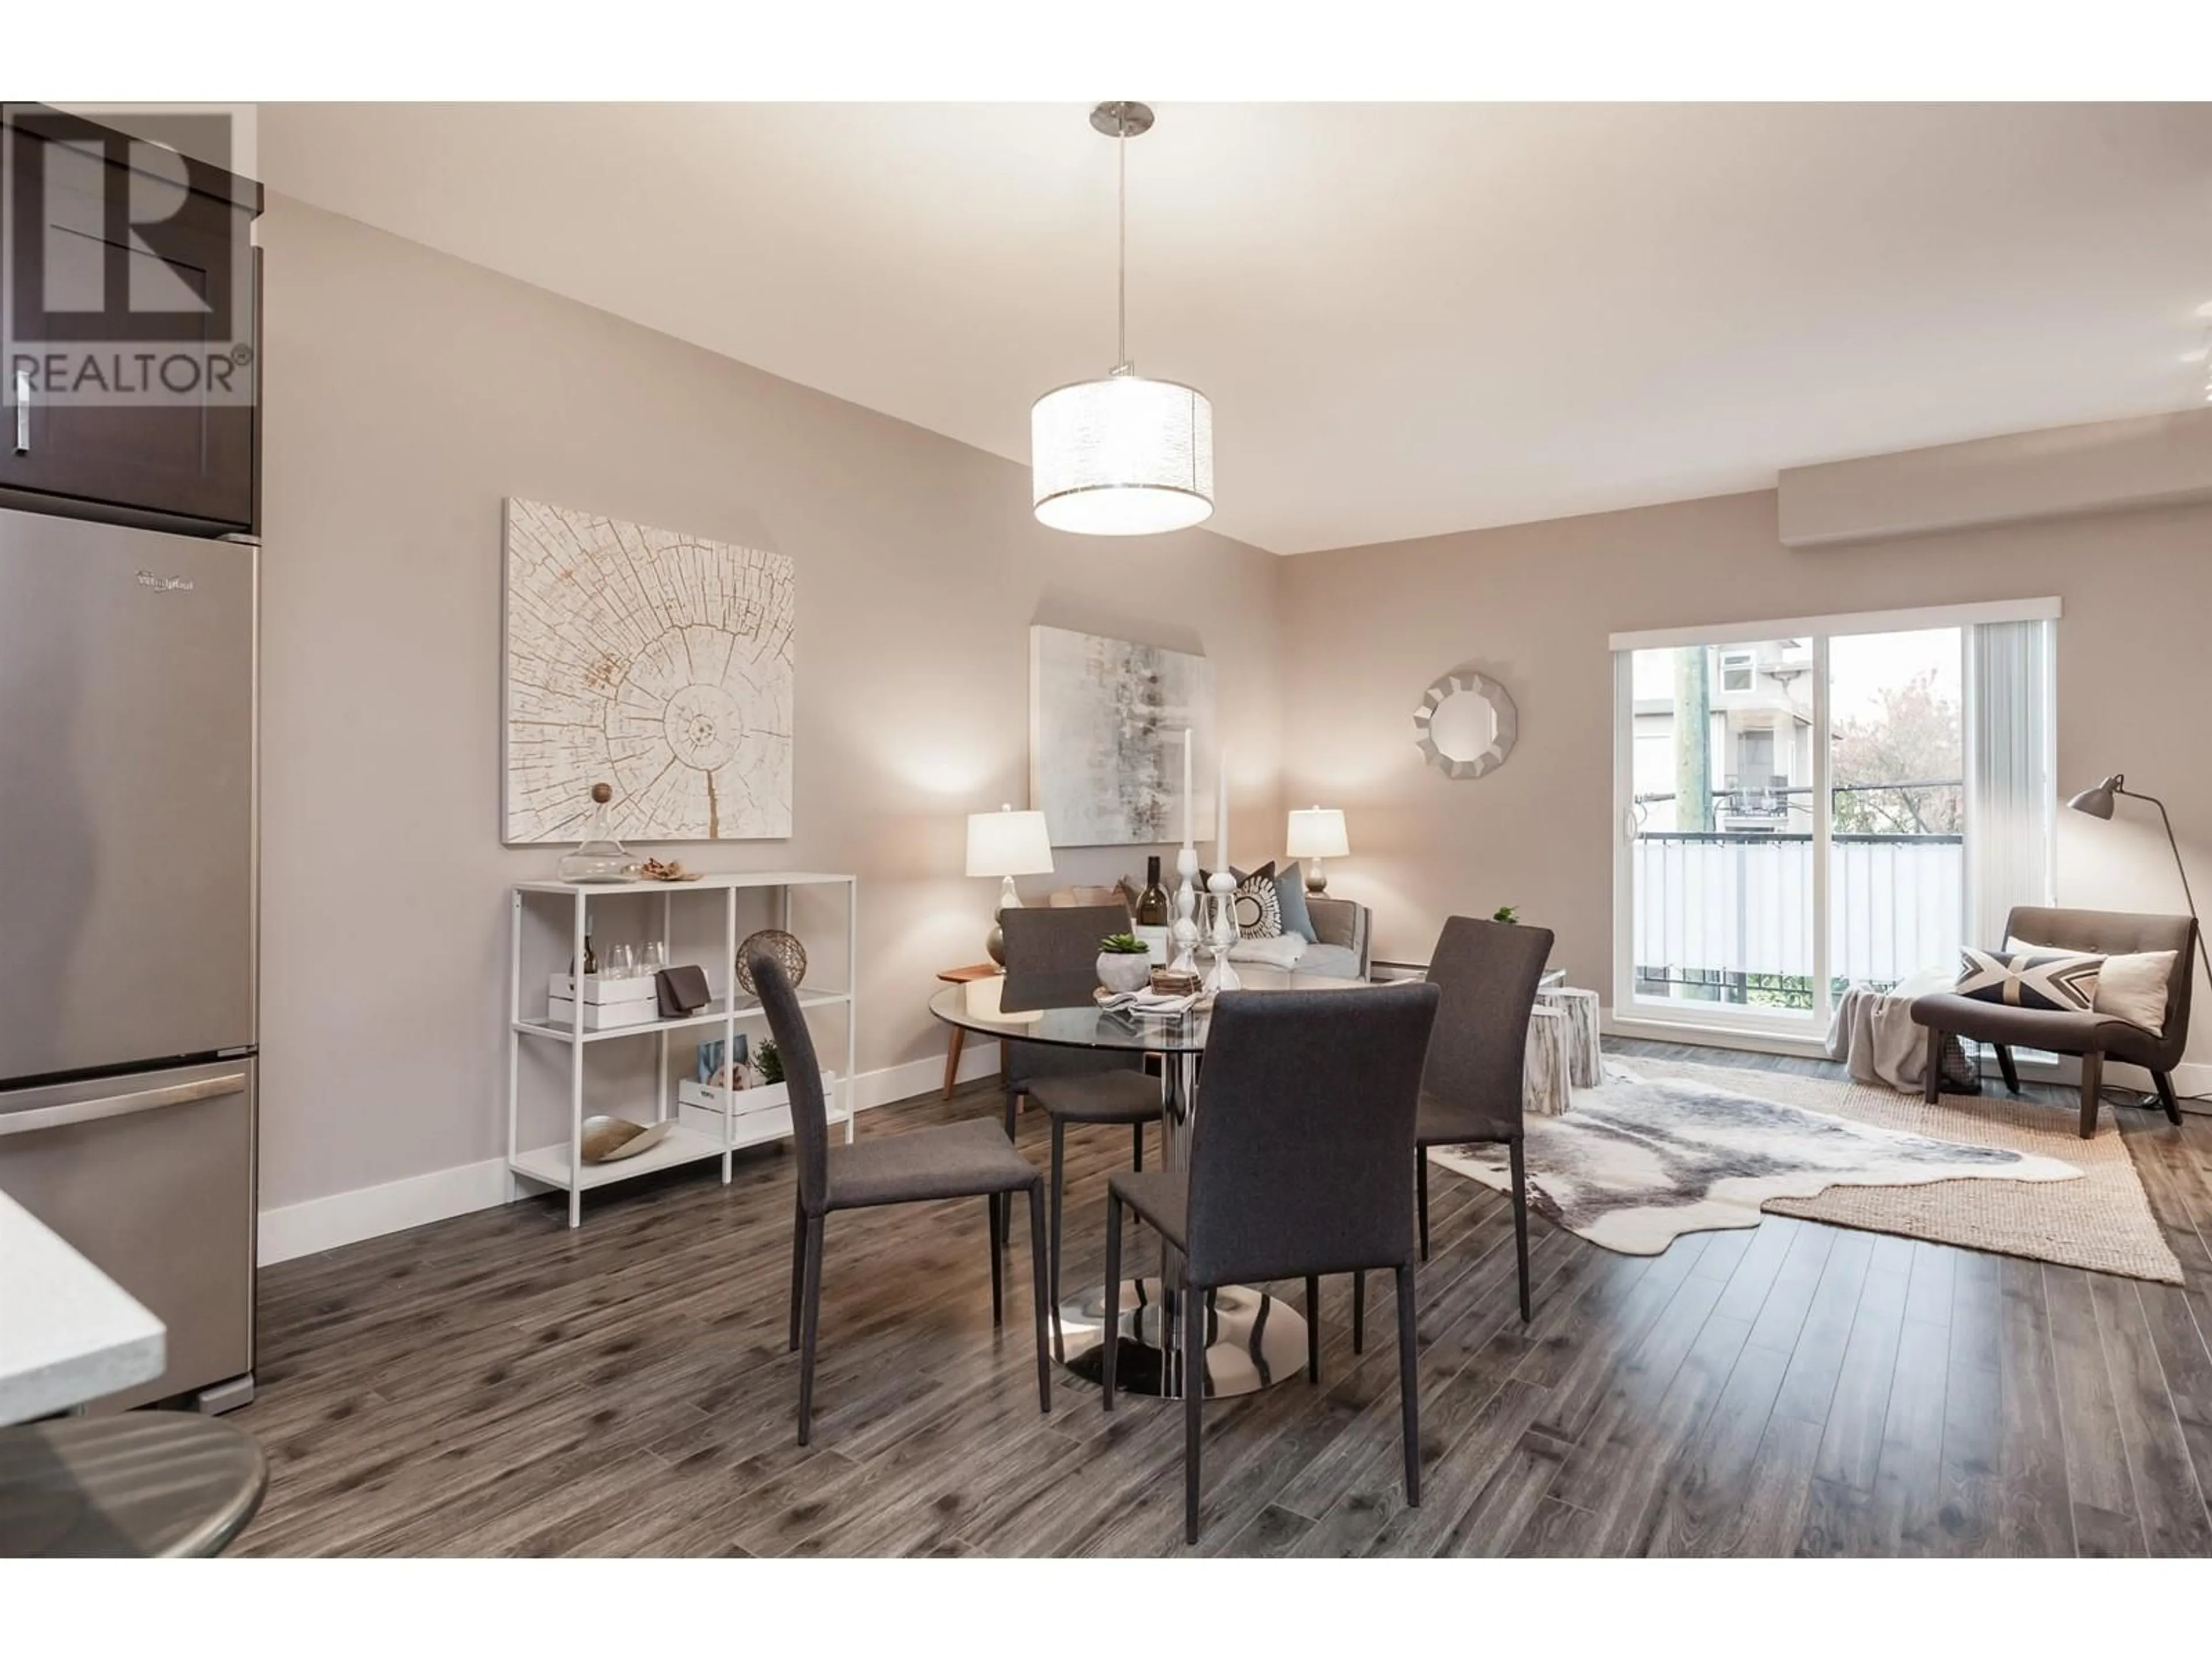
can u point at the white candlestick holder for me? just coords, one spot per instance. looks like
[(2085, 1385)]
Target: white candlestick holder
[(1221, 906), (1184, 932)]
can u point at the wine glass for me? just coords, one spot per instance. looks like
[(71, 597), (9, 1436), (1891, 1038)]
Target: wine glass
[(622, 963), (652, 958)]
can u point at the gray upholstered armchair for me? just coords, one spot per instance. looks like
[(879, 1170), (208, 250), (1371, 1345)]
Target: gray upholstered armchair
[(1342, 952), (2091, 1036)]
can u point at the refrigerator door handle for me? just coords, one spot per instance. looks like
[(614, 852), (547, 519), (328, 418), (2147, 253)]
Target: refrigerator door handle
[(144, 1100), (23, 411)]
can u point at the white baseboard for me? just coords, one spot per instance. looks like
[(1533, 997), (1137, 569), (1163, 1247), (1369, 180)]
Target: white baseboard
[(2188, 1078), (325, 1223), (922, 1077), (1710, 1036)]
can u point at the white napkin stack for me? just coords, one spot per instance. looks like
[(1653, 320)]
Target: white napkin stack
[(1148, 1005)]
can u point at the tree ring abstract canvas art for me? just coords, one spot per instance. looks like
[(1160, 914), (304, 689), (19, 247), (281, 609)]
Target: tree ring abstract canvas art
[(1106, 724), (652, 660)]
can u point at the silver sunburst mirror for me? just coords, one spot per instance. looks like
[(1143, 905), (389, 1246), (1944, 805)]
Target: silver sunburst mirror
[(1467, 724)]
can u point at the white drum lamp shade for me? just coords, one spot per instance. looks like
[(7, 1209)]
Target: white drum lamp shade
[(1006, 843), (1124, 456), (1317, 833)]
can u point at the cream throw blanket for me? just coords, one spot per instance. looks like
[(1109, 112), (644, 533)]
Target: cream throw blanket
[(1280, 953), (1873, 1035)]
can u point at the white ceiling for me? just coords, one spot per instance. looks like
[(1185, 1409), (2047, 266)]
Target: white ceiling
[(1411, 318)]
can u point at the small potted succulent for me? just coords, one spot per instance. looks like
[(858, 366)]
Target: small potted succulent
[(1125, 963), (1506, 913)]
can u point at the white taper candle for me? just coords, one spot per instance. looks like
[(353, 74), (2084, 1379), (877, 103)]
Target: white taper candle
[(1221, 820), (1189, 828)]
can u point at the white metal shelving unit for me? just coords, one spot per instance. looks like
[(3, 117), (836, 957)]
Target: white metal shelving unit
[(765, 1115)]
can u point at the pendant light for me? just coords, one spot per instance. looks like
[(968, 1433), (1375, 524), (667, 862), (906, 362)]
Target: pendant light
[(1124, 456)]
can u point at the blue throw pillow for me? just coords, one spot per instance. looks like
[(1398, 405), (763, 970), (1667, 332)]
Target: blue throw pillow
[(1291, 899)]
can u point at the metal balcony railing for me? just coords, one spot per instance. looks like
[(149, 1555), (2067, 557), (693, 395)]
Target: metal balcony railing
[(1726, 905)]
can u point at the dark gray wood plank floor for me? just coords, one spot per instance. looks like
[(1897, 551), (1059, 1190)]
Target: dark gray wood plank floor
[(498, 1384)]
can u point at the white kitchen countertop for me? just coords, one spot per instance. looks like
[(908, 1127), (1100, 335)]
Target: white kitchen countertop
[(68, 1333)]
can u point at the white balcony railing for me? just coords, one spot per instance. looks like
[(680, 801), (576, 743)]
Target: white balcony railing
[(1724, 904)]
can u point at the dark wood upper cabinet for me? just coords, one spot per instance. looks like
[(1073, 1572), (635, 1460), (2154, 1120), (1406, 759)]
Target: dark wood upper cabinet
[(130, 378)]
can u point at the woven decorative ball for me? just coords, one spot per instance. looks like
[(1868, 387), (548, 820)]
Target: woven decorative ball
[(789, 953)]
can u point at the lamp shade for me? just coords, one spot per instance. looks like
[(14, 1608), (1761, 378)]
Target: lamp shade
[(2097, 802), (1123, 456), (1317, 833), (1008, 843)]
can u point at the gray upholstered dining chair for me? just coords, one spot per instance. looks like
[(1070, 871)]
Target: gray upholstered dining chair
[(1060, 946), (2092, 1036), (951, 1160), (1487, 973), (1298, 1155)]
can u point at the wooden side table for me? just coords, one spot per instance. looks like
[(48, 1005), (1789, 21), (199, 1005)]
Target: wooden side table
[(961, 976)]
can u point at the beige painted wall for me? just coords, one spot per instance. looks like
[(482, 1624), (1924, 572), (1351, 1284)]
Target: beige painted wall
[(1366, 628), (408, 394), (2104, 466)]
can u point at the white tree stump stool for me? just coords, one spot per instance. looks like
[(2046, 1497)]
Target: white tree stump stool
[(1586, 1061), (1547, 1083)]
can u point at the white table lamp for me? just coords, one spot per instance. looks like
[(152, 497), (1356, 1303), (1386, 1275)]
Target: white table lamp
[(1317, 833), (1007, 844)]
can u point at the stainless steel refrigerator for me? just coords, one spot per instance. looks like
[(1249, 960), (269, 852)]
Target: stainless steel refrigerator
[(128, 871)]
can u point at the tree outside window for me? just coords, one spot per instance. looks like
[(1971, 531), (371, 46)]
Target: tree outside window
[(1910, 745)]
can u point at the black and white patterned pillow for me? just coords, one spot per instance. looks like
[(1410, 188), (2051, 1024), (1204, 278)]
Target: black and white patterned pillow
[(2053, 982), (1258, 906)]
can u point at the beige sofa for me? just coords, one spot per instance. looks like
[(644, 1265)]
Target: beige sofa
[(1340, 953)]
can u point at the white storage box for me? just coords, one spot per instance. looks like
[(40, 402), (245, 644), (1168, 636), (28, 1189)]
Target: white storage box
[(598, 987), (708, 1099), (602, 1016), (705, 1119), (756, 1115)]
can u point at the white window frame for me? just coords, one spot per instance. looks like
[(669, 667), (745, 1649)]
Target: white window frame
[(1781, 1030), (1732, 661)]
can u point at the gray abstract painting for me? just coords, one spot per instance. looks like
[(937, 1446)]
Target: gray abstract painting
[(1106, 725)]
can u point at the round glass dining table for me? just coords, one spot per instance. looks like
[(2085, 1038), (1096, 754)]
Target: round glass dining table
[(1253, 1339)]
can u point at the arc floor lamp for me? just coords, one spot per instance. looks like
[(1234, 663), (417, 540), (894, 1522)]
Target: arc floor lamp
[(2098, 804)]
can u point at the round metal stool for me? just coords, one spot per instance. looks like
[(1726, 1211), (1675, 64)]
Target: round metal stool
[(143, 1484)]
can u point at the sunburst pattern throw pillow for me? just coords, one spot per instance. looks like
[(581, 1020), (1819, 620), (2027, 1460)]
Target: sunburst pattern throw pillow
[(1259, 908), (2054, 981)]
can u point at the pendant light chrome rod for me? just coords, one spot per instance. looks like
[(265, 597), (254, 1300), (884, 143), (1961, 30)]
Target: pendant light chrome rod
[(1122, 250), (1121, 120)]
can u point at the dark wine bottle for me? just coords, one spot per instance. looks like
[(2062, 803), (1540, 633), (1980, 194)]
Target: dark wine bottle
[(1152, 903)]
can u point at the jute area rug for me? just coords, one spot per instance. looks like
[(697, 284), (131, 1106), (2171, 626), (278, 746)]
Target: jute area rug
[(1665, 1148)]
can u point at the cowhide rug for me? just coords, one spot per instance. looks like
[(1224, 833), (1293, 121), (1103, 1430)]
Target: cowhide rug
[(1639, 1162)]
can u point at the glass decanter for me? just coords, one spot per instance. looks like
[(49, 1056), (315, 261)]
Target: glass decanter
[(600, 857)]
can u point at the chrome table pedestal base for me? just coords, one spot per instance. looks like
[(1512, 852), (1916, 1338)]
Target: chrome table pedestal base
[(1253, 1340)]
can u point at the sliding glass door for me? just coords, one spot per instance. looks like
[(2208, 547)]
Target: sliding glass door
[(1896, 815), (1798, 806), (1721, 812)]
